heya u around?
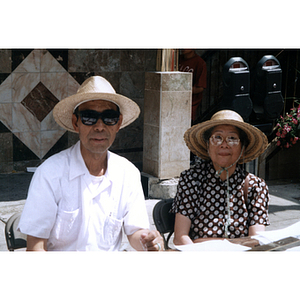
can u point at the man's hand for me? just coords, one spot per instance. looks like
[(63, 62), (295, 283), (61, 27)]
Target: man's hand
[(147, 240), (152, 241)]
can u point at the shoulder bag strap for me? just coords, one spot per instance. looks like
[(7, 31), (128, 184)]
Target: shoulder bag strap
[(246, 185)]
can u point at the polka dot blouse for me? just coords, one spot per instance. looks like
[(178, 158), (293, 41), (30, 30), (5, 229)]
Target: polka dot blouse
[(201, 196)]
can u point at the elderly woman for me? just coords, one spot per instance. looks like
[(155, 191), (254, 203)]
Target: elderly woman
[(216, 198)]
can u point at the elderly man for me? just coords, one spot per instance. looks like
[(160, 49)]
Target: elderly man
[(81, 198)]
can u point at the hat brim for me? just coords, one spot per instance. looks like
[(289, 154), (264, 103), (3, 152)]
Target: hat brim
[(194, 139), (64, 109)]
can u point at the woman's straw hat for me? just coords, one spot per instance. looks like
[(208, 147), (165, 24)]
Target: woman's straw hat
[(94, 88), (194, 136)]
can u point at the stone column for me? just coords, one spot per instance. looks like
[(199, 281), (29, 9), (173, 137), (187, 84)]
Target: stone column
[(167, 115)]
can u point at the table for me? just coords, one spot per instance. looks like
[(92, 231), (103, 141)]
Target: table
[(280, 245)]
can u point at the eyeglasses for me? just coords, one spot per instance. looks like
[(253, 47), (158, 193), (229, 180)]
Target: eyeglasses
[(109, 117), (217, 140)]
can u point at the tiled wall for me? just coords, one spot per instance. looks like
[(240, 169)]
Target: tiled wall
[(32, 81)]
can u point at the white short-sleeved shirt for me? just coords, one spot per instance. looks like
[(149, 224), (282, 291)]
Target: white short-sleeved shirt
[(77, 211)]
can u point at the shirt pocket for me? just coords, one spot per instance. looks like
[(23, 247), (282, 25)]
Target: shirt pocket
[(112, 230), (67, 226)]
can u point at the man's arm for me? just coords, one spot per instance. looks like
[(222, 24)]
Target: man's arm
[(144, 239), (36, 244)]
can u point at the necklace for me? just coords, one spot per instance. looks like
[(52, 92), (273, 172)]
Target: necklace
[(218, 174)]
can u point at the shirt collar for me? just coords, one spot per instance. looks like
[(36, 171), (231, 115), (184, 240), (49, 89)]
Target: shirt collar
[(78, 167), (113, 167), (235, 179)]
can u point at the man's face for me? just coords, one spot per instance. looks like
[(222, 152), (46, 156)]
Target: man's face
[(96, 139)]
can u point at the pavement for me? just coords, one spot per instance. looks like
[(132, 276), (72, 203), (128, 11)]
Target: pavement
[(284, 209)]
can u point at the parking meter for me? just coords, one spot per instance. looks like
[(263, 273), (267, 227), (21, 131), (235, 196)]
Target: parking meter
[(236, 80), (268, 101)]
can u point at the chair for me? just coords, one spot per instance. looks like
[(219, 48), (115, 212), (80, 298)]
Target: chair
[(164, 220), (14, 239)]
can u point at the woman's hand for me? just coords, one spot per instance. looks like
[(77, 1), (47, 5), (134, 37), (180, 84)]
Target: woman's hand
[(255, 229)]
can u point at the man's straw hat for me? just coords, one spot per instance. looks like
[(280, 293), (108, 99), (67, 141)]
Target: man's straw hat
[(194, 136), (94, 88)]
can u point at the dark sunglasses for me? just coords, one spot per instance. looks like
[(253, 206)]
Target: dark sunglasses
[(109, 117)]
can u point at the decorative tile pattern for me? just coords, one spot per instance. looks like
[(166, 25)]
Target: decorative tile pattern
[(26, 118), (21, 152), (40, 101), (3, 128), (61, 56), (17, 56), (28, 95), (3, 76), (106, 60), (5, 61)]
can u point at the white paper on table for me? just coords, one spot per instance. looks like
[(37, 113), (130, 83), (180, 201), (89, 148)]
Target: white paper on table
[(293, 249), (265, 237), (222, 245)]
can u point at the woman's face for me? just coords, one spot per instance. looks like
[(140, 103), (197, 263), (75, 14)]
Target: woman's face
[(224, 155)]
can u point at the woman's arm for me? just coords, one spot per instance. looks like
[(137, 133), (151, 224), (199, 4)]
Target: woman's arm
[(254, 229), (181, 230), (259, 200)]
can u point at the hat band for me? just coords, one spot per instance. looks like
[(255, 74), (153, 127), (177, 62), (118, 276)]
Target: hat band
[(84, 101)]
